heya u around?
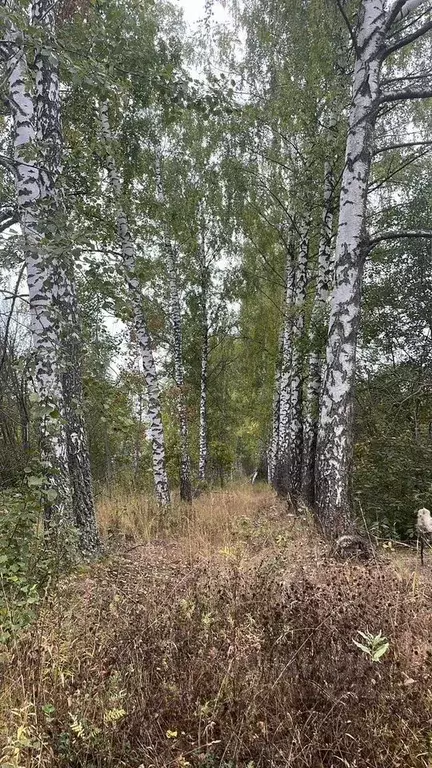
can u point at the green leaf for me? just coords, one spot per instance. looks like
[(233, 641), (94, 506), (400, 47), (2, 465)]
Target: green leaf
[(380, 651), (363, 648), (35, 481)]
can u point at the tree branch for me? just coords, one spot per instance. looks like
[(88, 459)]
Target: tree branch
[(394, 12), (7, 163), (6, 223), (9, 319), (401, 167), (401, 9), (407, 39), (402, 145), (397, 235), (406, 94), (405, 78), (349, 27)]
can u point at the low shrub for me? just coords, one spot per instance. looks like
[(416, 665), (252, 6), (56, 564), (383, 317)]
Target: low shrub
[(236, 661)]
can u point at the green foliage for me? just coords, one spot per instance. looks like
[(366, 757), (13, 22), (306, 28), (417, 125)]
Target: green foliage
[(393, 475), (393, 460), (374, 646), (27, 565)]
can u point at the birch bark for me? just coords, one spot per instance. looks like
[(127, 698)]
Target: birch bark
[(203, 431), (134, 289), (49, 136), (202, 463), (44, 320), (295, 430), (281, 479), (334, 447), (176, 322), (274, 437), (324, 281)]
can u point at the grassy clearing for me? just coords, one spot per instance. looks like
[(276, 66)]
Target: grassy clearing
[(222, 637)]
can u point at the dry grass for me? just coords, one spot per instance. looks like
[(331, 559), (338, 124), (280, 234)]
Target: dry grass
[(223, 637), (210, 524)]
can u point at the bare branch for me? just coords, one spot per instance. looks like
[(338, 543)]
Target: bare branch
[(401, 167), (7, 163), (406, 94), (404, 78), (397, 235), (9, 319), (407, 39), (395, 12), (401, 9), (402, 145), (349, 27)]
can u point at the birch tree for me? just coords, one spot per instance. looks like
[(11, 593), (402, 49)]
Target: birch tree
[(281, 478), (324, 279), (170, 252), (295, 432), (204, 323), (274, 435), (49, 136), (129, 257), (374, 40), (44, 319)]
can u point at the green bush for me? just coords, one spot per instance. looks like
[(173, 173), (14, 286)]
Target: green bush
[(26, 563)]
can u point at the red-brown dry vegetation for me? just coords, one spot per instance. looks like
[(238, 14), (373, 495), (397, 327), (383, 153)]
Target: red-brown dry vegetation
[(228, 643)]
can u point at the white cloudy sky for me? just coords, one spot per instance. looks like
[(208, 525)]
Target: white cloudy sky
[(194, 10)]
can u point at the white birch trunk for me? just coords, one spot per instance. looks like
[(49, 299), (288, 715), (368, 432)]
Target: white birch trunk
[(44, 322), (324, 281), (274, 437), (50, 143), (177, 331), (129, 262), (280, 479), (202, 462), (335, 439), (203, 430), (295, 430)]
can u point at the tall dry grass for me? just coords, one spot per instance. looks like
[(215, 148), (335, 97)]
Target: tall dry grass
[(126, 518), (223, 638)]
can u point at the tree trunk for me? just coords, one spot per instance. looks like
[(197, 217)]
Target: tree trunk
[(324, 281), (202, 463), (281, 480), (44, 322), (77, 440), (335, 433), (295, 431), (203, 430), (274, 438), (50, 141), (176, 322), (134, 289)]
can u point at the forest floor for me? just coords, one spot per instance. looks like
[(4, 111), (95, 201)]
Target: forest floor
[(223, 636)]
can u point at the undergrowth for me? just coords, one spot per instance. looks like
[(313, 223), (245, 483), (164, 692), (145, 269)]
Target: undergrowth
[(230, 644)]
